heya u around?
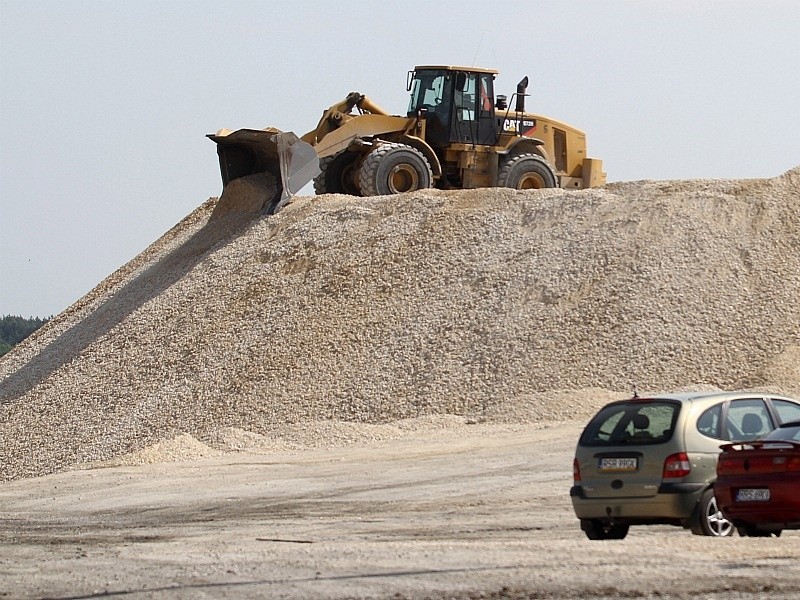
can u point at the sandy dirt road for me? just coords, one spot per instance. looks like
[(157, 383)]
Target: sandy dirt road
[(482, 512)]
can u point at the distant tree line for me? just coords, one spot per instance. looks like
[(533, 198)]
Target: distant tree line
[(15, 329)]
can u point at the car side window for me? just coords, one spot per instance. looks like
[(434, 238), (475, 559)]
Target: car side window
[(747, 419), (709, 422), (787, 411)]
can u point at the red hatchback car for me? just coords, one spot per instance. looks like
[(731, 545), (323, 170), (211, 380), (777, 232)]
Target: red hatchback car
[(758, 482)]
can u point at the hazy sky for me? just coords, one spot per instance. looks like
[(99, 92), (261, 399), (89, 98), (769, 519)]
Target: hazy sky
[(104, 105)]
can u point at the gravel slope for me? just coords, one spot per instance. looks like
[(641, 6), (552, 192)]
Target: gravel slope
[(340, 314)]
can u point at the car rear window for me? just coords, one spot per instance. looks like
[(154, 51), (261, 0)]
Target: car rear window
[(632, 422)]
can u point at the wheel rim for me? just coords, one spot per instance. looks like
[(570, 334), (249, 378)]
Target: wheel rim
[(718, 525), (403, 178), (531, 181)]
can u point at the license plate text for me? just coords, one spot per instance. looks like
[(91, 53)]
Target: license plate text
[(618, 464), (752, 495)]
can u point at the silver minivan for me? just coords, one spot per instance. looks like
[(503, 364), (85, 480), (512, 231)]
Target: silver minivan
[(652, 460)]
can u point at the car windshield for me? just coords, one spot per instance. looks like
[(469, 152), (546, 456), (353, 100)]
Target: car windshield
[(789, 432), (632, 422)]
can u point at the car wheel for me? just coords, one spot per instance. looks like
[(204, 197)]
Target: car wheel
[(597, 530), (712, 522)]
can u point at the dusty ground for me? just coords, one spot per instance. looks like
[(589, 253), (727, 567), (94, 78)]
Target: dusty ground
[(477, 512)]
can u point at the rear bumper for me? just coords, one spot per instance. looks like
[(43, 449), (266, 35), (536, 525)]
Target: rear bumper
[(766, 522), (673, 503), (766, 515), (781, 511)]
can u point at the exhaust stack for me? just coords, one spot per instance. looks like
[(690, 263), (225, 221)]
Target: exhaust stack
[(522, 86)]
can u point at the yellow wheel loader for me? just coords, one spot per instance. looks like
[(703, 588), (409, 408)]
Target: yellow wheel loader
[(456, 134)]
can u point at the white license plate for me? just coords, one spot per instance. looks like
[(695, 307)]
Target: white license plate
[(619, 464), (752, 495)]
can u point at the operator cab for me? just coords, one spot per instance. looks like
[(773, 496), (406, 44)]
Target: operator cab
[(458, 104)]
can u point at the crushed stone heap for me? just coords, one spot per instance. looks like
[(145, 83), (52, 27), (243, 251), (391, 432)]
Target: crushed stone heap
[(486, 304)]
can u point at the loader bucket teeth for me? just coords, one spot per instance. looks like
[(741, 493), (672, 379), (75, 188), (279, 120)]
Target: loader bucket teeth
[(249, 151)]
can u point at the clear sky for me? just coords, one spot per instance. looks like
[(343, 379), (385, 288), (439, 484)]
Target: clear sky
[(104, 105)]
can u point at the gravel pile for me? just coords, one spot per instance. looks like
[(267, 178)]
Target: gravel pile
[(489, 305)]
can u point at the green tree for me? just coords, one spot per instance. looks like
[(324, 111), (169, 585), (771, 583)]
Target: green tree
[(14, 329)]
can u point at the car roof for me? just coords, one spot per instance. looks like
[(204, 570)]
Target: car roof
[(715, 396)]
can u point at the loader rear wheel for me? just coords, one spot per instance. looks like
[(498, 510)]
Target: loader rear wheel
[(394, 169), (526, 172), (337, 175)]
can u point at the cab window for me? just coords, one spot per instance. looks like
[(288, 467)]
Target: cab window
[(465, 96), (429, 91)]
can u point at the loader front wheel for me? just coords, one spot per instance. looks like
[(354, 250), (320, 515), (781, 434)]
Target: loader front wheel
[(394, 169), (526, 172), (337, 175)]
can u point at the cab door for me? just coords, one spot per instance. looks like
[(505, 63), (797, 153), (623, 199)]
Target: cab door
[(473, 120)]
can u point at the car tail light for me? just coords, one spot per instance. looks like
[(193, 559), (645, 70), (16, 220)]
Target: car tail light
[(726, 464), (576, 470), (793, 464), (677, 465)]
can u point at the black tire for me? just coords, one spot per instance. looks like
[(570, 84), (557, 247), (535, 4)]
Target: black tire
[(394, 169), (711, 522), (526, 172), (753, 531), (598, 530), (337, 175)]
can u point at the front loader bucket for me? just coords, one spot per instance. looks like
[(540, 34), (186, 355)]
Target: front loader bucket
[(249, 151)]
